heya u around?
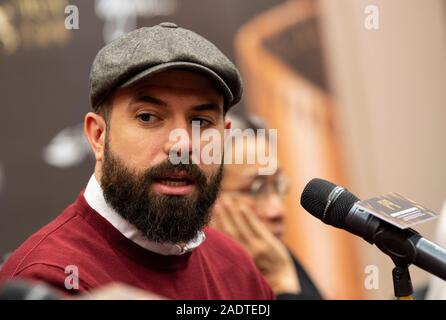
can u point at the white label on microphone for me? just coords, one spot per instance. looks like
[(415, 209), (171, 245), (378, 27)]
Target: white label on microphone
[(397, 210)]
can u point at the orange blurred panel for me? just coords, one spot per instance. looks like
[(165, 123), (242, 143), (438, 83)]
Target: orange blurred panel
[(289, 99)]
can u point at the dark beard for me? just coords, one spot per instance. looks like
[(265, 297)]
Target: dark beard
[(161, 218)]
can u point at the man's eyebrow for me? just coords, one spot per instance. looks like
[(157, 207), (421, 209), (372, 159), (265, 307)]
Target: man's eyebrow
[(148, 99), (208, 107)]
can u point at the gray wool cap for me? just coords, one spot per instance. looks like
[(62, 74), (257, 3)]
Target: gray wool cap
[(148, 50)]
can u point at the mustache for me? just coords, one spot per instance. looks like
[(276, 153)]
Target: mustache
[(166, 168)]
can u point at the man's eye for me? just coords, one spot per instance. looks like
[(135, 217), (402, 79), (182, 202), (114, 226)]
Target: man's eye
[(201, 122), (147, 117)]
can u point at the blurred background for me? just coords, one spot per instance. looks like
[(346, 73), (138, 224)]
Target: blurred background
[(355, 88)]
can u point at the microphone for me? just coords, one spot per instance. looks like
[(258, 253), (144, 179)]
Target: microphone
[(336, 206)]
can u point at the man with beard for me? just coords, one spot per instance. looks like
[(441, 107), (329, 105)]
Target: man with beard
[(142, 219)]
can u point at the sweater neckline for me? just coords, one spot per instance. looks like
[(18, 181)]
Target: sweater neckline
[(125, 246)]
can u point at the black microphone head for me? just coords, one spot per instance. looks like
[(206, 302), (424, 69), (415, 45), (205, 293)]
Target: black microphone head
[(314, 199)]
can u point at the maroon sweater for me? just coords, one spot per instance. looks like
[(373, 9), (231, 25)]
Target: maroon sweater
[(217, 269)]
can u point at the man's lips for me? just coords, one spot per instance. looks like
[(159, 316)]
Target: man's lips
[(178, 183)]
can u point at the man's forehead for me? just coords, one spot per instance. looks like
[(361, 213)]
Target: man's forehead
[(159, 89)]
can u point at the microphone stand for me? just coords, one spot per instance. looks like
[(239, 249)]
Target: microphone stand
[(402, 284), (401, 248)]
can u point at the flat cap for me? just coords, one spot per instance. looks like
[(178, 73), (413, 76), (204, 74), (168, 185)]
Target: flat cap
[(148, 50)]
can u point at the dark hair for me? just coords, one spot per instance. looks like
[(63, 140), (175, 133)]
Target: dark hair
[(105, 110)]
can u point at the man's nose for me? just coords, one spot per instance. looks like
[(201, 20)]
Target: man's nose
[(179, 143)]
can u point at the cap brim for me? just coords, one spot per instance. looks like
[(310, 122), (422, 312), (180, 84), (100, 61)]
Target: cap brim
[(229, 97)]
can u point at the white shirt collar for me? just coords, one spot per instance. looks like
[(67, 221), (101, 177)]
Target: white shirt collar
[(95, 198)]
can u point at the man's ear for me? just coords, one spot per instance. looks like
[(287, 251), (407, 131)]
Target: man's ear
[(95, 130)]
